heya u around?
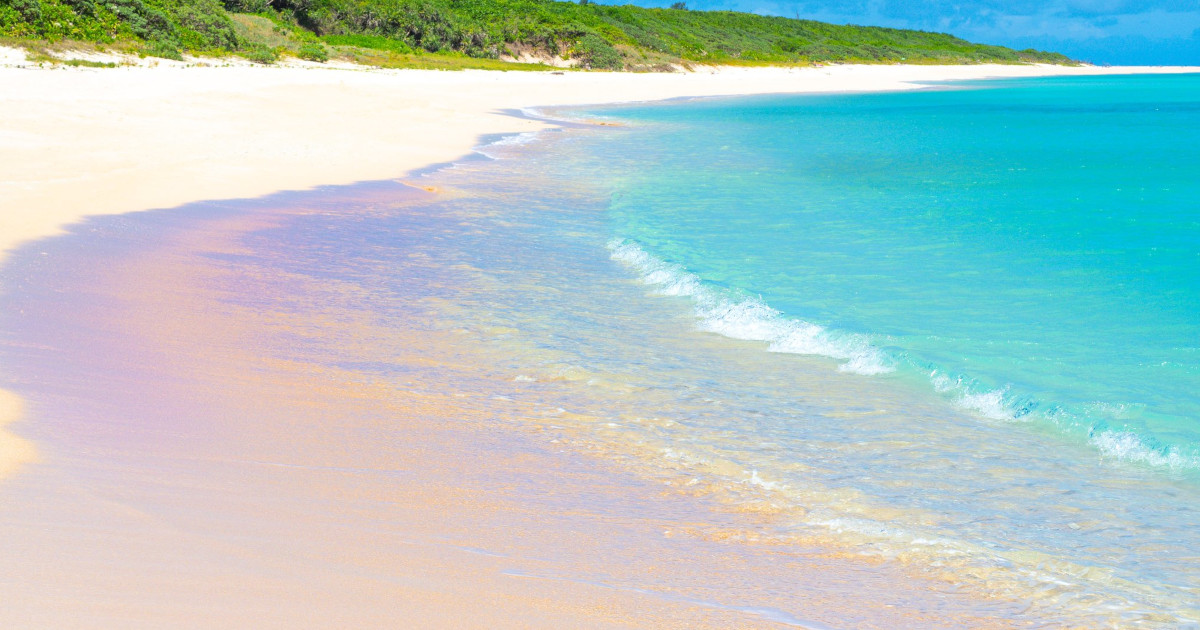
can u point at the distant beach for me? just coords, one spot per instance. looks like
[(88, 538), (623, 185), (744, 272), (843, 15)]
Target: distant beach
[(88, 141), (218, 433)]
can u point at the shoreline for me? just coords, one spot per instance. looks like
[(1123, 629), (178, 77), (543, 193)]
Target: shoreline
[(203, 469), (111, 141), (87, 142), (168, 311)]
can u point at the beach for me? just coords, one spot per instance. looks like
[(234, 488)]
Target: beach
[(99, 141), (262, 483), (85, 142)]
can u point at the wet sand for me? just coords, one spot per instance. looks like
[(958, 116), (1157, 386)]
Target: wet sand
[(212, 459), (14, 451)]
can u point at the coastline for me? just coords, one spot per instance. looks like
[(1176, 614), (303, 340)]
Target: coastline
[(249, 133), (232, 440), (85, 142), (103, 141)]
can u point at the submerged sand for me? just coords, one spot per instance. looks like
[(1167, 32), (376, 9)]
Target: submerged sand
[(213, 458), (14, 451), (279, 506)]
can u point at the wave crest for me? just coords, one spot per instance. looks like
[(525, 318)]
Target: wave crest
[(737, 316), (733, 314)]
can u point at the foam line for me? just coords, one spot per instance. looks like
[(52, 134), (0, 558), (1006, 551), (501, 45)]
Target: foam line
[(734, 314), (737, 316)]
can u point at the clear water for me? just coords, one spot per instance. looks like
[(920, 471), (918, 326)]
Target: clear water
[(954, 331), (963, 325), (1030, 252)]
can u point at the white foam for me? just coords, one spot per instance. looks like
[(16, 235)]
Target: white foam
[(989, 404), (513, 140), (1128, 446), (516, 139), (750, 318), (756, 480), (1125, 446)]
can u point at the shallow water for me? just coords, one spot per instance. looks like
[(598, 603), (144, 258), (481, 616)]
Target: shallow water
[(1030, 249), (301, 411), (990, 298), (868, 461)]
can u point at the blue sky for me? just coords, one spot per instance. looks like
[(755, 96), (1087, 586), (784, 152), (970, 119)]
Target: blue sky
[(1119, 32)]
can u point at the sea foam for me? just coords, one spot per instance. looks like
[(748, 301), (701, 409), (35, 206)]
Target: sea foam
[(738, 316), (509, 140), (1130, 447)]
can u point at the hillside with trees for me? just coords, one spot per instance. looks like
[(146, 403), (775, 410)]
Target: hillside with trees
[(479, 33)]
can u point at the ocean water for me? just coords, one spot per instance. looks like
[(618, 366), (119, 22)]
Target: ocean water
[(949, 334), (962, 324), (1032, 252)]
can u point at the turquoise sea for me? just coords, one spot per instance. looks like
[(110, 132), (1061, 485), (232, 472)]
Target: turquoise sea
[(961, 324), (1030, 250)]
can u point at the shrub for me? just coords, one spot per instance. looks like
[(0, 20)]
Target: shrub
[(314, 52), (29, 10), (248, 6), (261, 54), (163, 49), (593, 51), (373, 42)]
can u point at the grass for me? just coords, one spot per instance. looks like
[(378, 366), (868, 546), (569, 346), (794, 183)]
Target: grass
[(86, 63), (431, 61), (59, 52)]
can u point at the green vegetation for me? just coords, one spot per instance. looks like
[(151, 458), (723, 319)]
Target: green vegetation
[(480, 33), (602, 36), (164, 27), (313, 52), (84, 63)]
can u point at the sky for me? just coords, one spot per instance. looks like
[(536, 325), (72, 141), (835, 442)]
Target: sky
[(1117, 32)]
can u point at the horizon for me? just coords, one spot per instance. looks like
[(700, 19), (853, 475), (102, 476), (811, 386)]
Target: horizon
[(1102, 32)]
